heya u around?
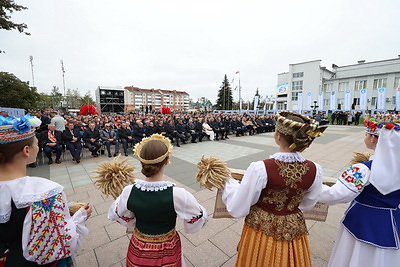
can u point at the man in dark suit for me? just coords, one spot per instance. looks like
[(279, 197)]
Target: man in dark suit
[(138, 131), (45, 121), (51, 141), (182, 132), (125, 135), (191, 128), (72, 138), (199, 129), (109, 137), (91, 136)]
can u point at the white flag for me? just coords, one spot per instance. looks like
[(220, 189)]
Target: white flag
[(256, 102), (381, 104), (309, 100), (363, 99), (321, 100), (347, 99), (300, 101), (333, 100), (398, 99)]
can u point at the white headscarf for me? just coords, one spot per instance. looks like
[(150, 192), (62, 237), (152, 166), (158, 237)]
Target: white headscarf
[(385, 170)]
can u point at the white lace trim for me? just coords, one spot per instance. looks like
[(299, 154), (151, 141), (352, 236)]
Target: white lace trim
[(152, 186), (288, 157)]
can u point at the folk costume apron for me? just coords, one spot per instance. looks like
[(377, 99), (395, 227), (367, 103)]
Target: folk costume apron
[(275, 233)]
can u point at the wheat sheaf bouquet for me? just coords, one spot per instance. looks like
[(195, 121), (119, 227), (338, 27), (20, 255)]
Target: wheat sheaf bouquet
[(112, 176)]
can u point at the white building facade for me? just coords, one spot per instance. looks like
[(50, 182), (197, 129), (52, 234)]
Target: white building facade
[(362, 86)]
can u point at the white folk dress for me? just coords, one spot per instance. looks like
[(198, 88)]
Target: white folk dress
[(49, 232), (348, 250)]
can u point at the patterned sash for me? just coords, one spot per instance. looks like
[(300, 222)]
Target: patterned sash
[(52, 138)]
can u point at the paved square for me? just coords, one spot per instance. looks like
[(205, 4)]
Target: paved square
[(216, 243)]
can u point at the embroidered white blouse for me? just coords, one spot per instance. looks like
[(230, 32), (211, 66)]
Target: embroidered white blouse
[(239, 197), (49, 232), (348, 186), (185, 204)]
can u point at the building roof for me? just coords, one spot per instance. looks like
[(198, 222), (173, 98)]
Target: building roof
[(161, 91)]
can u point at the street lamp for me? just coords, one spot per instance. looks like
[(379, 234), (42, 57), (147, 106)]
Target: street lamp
[(315, 106)]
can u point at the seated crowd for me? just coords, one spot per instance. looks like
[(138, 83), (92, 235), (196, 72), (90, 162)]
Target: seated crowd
[(58, 133)]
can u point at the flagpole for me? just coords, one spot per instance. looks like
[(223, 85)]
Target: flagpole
[(63, 71), (33, 77), (240, 96)]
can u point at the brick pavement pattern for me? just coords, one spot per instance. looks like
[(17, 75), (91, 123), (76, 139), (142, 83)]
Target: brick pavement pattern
[(216, 243)]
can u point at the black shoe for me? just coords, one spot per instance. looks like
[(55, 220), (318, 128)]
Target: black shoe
[(50, 161), (109, 155), (115, 155), (222, 138), (184, 142), (32, 165), (73, 159), (194, 141), (226, 137), (201, 140), (177, 144), (216, 139), (126, 154), (58, 161)]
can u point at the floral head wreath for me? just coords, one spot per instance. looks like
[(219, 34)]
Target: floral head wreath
[(374, 127), (302, 132), (17, 129), (156, 137)]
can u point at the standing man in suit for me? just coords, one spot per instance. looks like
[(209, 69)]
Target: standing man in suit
[(72, 138), (109, 137), (91, 136), (51, 141)]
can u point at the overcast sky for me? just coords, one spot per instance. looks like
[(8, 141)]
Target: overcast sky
[(191, 45)]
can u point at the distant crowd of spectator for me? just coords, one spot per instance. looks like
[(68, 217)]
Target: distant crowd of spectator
[(95, 132)]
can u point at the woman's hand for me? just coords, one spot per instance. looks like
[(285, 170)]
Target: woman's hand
[(88, 210)]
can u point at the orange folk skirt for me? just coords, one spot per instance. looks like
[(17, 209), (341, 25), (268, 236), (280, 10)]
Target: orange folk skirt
[(256, 249)]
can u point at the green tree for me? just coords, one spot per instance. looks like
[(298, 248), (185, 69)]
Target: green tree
[(87, 99), (16, 93), (225, 98), (7, 7), (56, 97)]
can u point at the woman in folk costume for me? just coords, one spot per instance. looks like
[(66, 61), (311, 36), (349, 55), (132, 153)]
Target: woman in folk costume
[(272, 195), (369, 231), (151, 206), (36, 228)]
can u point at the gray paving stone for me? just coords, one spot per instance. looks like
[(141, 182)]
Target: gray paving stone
[(206, 255), (118, 247)]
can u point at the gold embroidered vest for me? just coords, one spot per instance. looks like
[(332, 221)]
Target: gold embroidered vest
[(277, 211)]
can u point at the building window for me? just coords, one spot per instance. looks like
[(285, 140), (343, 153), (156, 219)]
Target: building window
[(328, 87), (327, 102), (295, 96), (343, 86), (396, 82), (298, 74), (340, 101), (297, 86), (379, 83), (359, 85), (373, 101), (102, 92), (393, 100), (356, 101)]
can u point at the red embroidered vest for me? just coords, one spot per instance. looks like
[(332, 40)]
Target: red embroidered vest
[(287, 184)]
